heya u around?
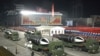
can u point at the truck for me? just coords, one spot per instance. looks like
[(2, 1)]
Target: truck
[(11, 35), (78, 42), (48, 48)]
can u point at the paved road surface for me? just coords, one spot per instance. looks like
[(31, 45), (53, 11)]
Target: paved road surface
[(11, 45), (22, 51)]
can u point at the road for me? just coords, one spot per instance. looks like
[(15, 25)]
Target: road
[(23, 51), (16, 47)]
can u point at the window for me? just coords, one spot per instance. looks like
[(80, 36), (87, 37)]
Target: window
[(58, 32), (52, 31), (79, 38), (55, 32), (44, 40)]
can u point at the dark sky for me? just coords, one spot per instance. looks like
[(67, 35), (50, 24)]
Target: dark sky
[(87, 8)]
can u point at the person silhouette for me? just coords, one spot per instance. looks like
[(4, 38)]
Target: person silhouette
[(32, 54)]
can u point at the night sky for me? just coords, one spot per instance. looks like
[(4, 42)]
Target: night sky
[(87, 8)]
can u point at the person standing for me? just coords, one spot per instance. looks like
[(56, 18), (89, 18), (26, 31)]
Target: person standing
[(32, 54)]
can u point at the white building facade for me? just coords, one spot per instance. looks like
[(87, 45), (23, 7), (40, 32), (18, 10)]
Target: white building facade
[(50, 30)]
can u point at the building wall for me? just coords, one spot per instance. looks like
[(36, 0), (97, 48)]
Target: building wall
[(78, 21), (13, 20), (50, 30), (33, 20), (89, 21), (41, 20)]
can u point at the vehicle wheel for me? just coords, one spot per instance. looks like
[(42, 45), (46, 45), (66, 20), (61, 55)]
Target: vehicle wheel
[(10, 38), (47, 54)]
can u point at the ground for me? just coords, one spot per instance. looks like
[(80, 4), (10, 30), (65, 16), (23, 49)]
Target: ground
[(18, 47)]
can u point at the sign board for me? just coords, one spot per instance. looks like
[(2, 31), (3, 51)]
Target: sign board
[(40, 20)]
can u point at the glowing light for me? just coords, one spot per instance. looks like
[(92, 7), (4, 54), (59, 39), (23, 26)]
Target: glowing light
[(29, 12), (24, 12)]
